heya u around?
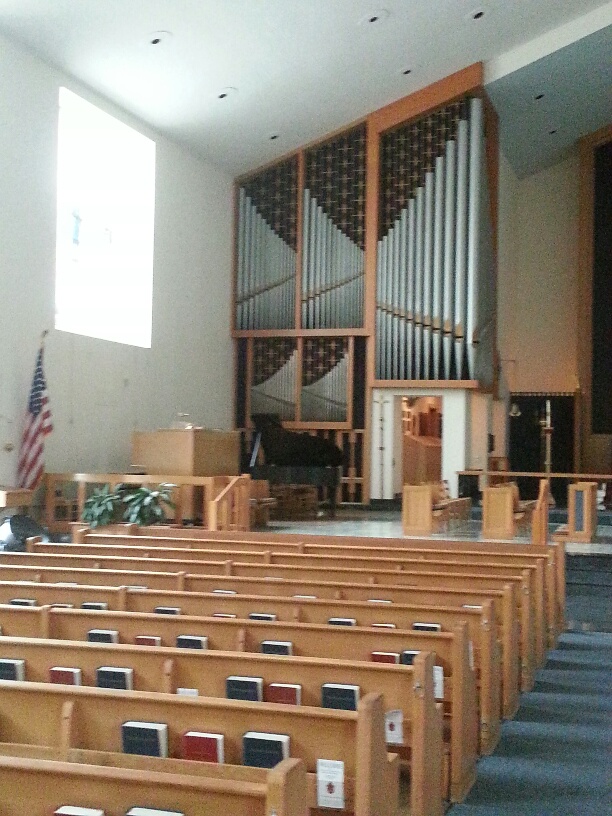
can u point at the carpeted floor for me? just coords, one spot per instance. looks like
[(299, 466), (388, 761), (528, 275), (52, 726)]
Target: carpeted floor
[(555, 756)]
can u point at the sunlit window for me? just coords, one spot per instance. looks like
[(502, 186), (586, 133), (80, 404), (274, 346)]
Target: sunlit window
[(105, 225)]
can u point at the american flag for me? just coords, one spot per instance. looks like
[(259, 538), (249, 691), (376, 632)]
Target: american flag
[(37, 425)]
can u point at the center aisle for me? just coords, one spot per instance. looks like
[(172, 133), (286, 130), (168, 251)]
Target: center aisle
[(554, 756)]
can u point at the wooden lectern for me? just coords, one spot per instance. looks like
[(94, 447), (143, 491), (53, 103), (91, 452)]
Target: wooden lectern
[(187, 452)]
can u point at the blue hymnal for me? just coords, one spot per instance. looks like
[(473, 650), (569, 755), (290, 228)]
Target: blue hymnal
[(115, 677), (427, 627), (168, 610), (262, 750), (407, 657), (244, 688), (145, 738), (278, 647), (12, 669), (191, 642), (339, 695)]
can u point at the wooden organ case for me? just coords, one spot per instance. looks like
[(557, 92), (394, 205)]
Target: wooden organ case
[(368, 261)]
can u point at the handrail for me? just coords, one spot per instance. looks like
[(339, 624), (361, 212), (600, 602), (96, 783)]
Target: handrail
[(230, 509)]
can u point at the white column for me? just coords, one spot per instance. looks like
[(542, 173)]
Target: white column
[(456, 424)]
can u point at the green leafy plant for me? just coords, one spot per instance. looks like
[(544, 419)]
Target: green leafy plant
[(102, 507), (146, 505)]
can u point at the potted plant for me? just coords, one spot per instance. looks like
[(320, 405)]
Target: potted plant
[(102, 508), (146, 505)]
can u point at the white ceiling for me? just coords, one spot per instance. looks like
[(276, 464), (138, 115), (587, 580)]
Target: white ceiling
[(303, 68)]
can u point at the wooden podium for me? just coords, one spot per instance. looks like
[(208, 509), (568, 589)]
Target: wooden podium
[(187, 452)]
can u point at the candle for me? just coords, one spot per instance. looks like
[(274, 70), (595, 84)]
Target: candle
[(548, 413)]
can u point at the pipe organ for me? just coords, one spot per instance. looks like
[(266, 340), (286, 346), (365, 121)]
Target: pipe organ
[(266, 249), (367, 261), (333, 233), (434, 265), (325, 378), (274, 380)]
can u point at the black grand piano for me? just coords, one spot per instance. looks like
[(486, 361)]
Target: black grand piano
[(295, 458)]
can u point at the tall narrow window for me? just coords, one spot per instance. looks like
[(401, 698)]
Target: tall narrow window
[(105, 225)]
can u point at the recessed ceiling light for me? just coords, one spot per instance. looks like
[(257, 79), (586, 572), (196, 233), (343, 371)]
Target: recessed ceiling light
[(539, 96), (225, 92), (552, 132), (407, 71), (274, 136), (159, 37), (478, 15), (376, 16)]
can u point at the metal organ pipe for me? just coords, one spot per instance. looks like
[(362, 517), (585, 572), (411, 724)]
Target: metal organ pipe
[(449, 258), (427, 271), (476, 136), (436, 312), (461, 245)]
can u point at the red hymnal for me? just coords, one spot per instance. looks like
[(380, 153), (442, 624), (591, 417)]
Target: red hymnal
[(202, 746), (64, 674), (147, 640), (287, 693), (385, 657)]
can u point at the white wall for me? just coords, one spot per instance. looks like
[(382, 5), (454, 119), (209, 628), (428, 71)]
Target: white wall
[(101, 391), (537, 277)]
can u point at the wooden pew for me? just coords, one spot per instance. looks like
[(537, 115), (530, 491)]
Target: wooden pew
[(503, 513), (166, 670), (542, 589), (309, 640), (428, 509), (553, 553), (504, 600), (482, 626), (90, 719), (531, 607), (38, 781)]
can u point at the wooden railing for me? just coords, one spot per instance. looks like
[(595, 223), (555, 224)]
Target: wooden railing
[(230, 510), (222, 501)]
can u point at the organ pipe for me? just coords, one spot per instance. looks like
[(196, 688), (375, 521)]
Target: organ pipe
[(434, 264)]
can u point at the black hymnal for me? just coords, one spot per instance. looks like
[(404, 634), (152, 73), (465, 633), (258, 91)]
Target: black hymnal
[(427, 627), (264, 616), (22, 602), (145, 738), (342, 621), (339, 695), (12, 669), (407, 657), (263, 750), (103, 636), (278, 647), (191, 642), (168, 610), (100, 606), (115, 677), (244, 688)]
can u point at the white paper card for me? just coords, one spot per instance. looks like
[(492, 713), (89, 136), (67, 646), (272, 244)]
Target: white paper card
[(438, 682), (330, 783), (394, 727), (471, 654), (187, 692)]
